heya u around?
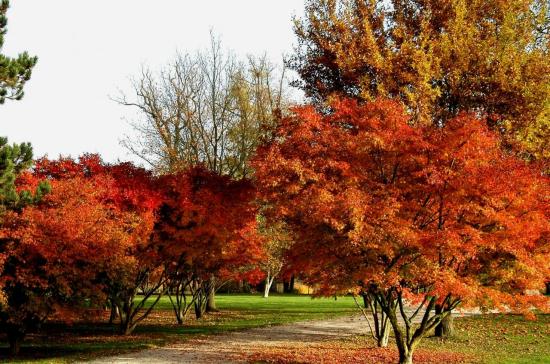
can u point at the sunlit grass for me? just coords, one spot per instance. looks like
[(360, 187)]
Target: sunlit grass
[(499, 339)]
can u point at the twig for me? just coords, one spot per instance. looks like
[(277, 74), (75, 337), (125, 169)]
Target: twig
[(365, 315)]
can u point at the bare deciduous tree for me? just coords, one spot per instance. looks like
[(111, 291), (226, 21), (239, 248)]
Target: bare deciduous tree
[(207, 108)]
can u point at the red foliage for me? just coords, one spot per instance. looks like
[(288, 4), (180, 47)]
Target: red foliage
[(208, 222), (55, 249), (339, 354), (100, 236), (375, 201), (137, 189), (66, 167), (88, 239), (408, 215)]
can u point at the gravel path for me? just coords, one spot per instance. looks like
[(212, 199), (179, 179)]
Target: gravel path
[(224, 348)]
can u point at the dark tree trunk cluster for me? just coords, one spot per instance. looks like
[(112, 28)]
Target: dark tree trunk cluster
[(407, 334)]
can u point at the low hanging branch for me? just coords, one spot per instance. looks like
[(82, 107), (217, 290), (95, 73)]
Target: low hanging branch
[(363, 311), (129, 314)]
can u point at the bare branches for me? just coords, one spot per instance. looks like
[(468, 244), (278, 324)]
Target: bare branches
[(363, 311), (207, 108)]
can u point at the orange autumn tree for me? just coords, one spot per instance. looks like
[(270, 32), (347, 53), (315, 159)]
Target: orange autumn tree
[(52, 251), (410, 217), (136, 267), (206, 227), (439, 57), (140, 269)]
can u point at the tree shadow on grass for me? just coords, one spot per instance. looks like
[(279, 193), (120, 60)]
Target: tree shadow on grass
[(78, 341)]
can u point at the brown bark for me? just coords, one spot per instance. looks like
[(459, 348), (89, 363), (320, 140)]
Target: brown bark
[(409, 335), (405, 346), (114, 313), (383, 337), (211, 299), (126, 328), (125, 312), (445, 328), (381, 321), (178, 299), (198, 310), (406, 358)]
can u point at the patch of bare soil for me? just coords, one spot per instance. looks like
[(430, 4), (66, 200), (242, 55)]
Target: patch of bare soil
[(233, 347)]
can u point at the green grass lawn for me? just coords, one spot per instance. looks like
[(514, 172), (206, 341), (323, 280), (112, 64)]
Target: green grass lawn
[(491, 338), (499, 339)]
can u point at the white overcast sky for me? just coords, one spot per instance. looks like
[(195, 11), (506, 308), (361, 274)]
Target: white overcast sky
[(88, 50)]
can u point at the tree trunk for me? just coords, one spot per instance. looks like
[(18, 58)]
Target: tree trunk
[(211, 299), (405, 358), (15, 338), (291, 284), (179, 317), (114, 313), (383, 338), (268, 283), (125, 327), (405, 351), (178, 303), (405, 344), (125, 314), (445, 328), (381, 321), (198, 310)]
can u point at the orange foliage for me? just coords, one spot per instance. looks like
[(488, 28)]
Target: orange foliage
[(87, 240), (426, 214), (337, 354), (376, 200), (438, 57), (54, 250)]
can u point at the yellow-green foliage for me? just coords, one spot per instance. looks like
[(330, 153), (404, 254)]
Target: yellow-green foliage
[(440, 57)]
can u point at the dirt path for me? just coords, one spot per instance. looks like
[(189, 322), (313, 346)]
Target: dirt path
[(224, 348)]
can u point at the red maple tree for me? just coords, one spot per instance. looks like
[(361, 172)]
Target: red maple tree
[(137, 268), (52, 251), (206, 228), (429, 216)]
